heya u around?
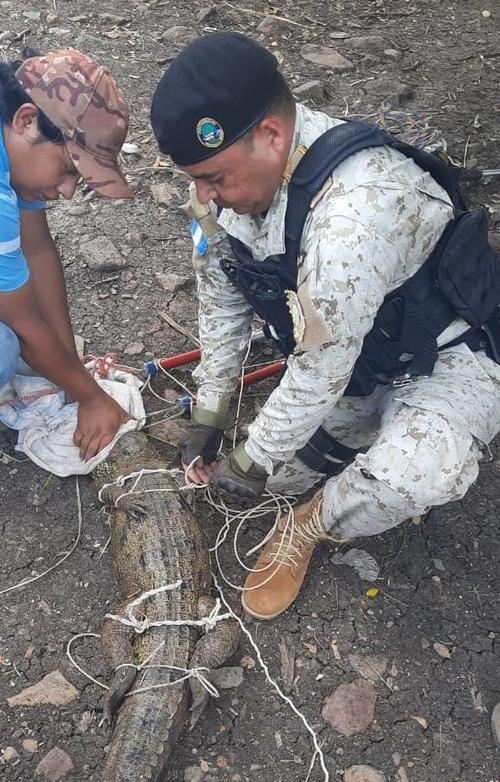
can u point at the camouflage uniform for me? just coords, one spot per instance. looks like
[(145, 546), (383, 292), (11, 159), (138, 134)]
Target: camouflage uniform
[(370, 229)]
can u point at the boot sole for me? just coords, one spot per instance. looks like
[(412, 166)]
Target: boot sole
[(267, 616)]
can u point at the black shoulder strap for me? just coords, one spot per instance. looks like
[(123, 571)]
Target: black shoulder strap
[(335, 146)]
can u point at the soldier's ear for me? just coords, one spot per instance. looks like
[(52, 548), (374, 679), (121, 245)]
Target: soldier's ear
[(274, 131)]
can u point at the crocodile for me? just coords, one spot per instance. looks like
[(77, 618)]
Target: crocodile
[(155, 541)]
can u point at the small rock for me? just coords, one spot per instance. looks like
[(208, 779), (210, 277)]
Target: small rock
[(77, 210), (33, 16), (442, 650), (271, 25), (10, 755), (338, 36), (350, 709), (393, 54), (206, 15), (495, 724), (194, 774), (171, 283), (391, 90), (52, 18), (311, 89), (134, 349), (363, 563), (30, 745), (100, 253), (55, 765), (326, 57), (367, 43), (363, 774), (396, 758), (53, 689), (178, 34), (486, 14), (114, 19), (135, 238), (371, 667), (163, 193)]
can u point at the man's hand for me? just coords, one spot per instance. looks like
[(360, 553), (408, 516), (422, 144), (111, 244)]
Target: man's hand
[(202, 442), (99, 419), (239, 475)]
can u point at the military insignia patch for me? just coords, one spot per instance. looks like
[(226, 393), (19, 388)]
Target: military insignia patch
[(209, 133), (298, 320)]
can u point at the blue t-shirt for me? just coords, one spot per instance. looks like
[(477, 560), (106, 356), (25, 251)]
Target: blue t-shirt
[(14, 270)]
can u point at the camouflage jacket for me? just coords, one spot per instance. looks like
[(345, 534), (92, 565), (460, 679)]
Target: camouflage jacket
[(370, 229)]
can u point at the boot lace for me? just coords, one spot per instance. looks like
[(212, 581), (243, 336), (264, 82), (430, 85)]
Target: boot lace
[(296, 539)]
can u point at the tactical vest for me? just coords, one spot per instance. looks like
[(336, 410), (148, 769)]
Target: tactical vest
[(461, 277)]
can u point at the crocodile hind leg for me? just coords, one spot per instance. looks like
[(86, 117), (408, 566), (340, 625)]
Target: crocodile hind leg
[(213, 649), (117, 644)]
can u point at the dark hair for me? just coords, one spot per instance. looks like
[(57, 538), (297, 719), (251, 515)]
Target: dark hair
[(12, 96), (282, 105)]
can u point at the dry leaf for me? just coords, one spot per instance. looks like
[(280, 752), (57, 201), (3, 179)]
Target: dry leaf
[(421, 721), (287, 662), (335, 649), (163, 193), (221, 761), (247, 662), (442, 650), (204, 766), (310, 647), (372, 592)]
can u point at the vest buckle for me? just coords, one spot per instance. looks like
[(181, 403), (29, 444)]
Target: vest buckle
[(402, 380)]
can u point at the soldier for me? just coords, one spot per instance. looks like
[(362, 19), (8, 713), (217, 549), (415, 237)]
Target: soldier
[(62, 118), (414, 420)]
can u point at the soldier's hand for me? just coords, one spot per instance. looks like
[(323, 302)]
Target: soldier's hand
[(239, 475), (202, 443)]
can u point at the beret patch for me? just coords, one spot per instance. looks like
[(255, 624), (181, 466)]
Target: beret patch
[(209, 133)]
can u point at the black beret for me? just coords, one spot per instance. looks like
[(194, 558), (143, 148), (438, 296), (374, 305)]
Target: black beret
[(215, 90)]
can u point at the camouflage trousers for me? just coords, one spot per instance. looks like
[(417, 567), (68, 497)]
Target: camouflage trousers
[(422, 446)]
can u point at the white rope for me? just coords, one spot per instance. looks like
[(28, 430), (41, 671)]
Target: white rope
[(140, 626), (188, 673)]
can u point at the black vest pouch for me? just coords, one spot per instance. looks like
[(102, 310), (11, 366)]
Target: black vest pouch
[(468, 269)]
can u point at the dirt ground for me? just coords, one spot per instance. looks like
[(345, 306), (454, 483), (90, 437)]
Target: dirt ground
[(439, 579)]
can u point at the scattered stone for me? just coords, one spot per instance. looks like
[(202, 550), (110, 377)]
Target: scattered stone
[(77, 210), (486, 14), (52, 18), (53, 689), (194, 774), (206, 15), (350, 709), (363, 774), (163, 193), (396, 758), (114, 19), (393, 54), (33, 16), (271, 25), (171, 283), (339, 36), (178, 34), (134, 349), (367, 43), (371, 667), (442, 650), (326, 57), (100, 253), (228, 677), (391, 90), (311, 89), (495, 725), (135, 238), (30, 745), (56, 765), (10, 755)]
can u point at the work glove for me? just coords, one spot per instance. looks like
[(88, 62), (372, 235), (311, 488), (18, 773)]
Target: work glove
[(205, 437), (238, 474)]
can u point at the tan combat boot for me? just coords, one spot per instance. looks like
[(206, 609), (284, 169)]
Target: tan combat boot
[(284, 560)]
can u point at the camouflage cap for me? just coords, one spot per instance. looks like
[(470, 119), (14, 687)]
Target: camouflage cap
[(83, 101)]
